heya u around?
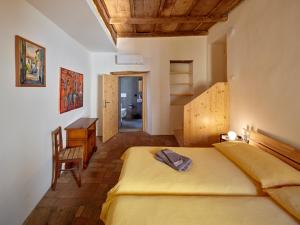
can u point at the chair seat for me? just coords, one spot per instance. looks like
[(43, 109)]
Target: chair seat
[(72, 153)]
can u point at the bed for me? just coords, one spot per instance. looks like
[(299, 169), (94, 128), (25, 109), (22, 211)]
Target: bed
[(216, 174), (211, 173), (195, 210)]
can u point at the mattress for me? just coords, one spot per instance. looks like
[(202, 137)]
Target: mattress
[(195, 210), (211, 173)]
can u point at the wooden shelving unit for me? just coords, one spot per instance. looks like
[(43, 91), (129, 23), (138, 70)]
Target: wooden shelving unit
[(181, 81), (181, 92)]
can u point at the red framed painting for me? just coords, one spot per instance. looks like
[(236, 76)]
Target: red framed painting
[(71, 90)]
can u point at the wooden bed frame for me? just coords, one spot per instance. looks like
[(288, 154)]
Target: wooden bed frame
[(285, 152)]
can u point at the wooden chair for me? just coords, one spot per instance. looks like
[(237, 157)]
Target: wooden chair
[(72, 157)]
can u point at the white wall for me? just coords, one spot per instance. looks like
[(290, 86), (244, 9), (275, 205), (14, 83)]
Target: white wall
[(28, 115), (157, 53), (263, 65)]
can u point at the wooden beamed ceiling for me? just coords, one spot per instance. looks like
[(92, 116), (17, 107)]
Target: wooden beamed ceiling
[(162, 18)]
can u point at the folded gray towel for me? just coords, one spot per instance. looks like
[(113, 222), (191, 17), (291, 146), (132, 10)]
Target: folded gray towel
[(173, 159)]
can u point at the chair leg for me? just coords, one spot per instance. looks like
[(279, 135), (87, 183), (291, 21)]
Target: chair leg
[(56, 175), (59, 172), (79, 174), (53, 174), (77, 177)]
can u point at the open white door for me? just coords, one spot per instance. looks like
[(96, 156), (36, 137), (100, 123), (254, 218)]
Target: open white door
[(109, 107)]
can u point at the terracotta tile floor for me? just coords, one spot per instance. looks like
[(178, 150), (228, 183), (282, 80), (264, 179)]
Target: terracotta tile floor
[(72, 205)]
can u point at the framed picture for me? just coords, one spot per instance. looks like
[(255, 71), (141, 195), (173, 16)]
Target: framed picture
[(71, 90), (30, 63)]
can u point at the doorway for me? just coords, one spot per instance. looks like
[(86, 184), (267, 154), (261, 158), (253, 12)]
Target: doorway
[(130, 103), (110, 108)]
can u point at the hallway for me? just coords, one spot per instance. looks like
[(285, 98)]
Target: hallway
[(77, 206)]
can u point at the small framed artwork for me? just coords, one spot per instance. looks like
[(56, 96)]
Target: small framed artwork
[(71, 90), (30, 63)]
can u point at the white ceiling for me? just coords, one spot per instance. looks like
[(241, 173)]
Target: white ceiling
[(79, 19)]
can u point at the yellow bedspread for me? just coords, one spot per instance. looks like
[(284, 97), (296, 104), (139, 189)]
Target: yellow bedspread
[(196, 210), (210, 174)]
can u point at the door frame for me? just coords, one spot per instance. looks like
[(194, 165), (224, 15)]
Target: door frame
[(144, 83)]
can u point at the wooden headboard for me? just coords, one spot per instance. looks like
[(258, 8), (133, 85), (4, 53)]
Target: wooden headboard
[(285, 152)]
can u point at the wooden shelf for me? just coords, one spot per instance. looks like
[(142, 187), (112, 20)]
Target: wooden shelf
[(183, 83), (181, 61), (181, 94), (180, 73)]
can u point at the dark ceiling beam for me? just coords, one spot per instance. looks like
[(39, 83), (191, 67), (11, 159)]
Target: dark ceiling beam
[(166, 20), (164, 34), (105, 16)]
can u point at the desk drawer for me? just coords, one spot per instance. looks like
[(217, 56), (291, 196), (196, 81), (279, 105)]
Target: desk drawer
[(76, 134)]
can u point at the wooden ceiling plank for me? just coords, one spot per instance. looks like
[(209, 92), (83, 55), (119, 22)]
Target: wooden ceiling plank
[(188, 13), (123, 9), (210, 13), (225, 7), (132, 11), (111, 7), (152, 8), (168, 8), (152, 18), (218, 5), (166, 20), (146, 8), (161, 7), (102, 10), (167, 11), (203, 7), (195, 2), (164, 34), (198, 26), (139, 6), (181, 8)]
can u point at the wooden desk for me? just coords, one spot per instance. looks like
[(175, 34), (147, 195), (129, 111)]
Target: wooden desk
[(83, 132)]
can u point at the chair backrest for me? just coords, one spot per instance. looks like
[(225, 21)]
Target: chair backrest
[(57, 142)]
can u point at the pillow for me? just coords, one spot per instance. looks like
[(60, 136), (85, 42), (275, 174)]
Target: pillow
[(263, 167), (288, 198)]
